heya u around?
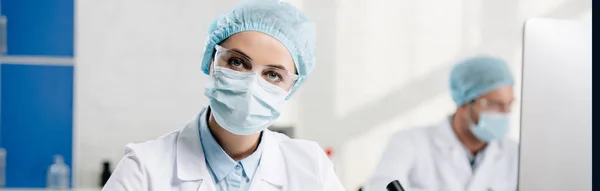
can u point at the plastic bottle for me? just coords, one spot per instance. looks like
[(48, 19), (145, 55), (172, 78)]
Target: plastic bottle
[(2, 168), (58, 174)]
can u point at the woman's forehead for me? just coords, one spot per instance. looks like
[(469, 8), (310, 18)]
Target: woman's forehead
[(261, 48)]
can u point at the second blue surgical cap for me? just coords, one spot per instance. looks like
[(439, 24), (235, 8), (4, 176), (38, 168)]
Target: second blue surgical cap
[(275, 18), (476, 76)]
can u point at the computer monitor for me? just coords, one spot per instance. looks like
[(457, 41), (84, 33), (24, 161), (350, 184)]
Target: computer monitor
[(556, 112)]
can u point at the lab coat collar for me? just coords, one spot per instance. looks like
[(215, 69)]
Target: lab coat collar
[(191, 163), (445, 135), (272, 166)]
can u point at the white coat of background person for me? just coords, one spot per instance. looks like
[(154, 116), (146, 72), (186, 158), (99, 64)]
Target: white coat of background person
[(256, 55), (468, 151)]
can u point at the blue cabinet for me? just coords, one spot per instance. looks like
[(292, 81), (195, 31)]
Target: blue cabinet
[(37, 110), (39, 27), (36, 99)]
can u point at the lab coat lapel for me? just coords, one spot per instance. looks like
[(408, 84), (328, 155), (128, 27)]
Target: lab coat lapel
[(452, 160), (271, 173), (191, 166), (196, 185), (483, 174)]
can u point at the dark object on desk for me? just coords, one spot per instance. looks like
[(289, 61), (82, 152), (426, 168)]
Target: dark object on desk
[(394, 186), (105, 173)]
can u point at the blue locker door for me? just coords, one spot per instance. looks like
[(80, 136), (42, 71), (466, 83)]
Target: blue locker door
[(39, 27), (37, 109)]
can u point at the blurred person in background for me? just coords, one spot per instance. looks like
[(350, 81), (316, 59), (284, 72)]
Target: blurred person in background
[(256, 55), (466, 151)]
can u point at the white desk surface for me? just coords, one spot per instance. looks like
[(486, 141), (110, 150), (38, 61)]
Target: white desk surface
[(42, 189)]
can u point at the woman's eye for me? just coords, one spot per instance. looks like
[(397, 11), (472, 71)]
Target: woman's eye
[(236, 62), (273, 76)]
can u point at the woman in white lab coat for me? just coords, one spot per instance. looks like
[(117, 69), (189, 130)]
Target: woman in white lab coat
[(467, 151), (256, 55)]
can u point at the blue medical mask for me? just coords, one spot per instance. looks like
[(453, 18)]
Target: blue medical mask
[(243, 103), (491, 126)]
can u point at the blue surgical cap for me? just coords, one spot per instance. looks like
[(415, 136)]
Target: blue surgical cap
[(275, 18), (474, 77)]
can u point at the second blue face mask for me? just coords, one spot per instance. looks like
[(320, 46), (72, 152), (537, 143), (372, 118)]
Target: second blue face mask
[(242, 102), (491, 126)]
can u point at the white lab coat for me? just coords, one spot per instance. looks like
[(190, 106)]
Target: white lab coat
[(176, 162), (433, 159)]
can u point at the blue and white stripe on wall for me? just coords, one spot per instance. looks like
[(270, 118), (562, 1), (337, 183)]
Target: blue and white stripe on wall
[(36, 89)]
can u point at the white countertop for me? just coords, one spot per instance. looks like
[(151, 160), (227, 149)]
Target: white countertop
[(43, 189)]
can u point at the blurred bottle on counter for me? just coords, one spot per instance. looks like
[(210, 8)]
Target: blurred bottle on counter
[(105, 173), (58, 174), (2, 168)]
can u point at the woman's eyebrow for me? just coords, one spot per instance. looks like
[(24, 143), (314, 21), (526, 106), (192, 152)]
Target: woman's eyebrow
[(240, 52), (279, 66)]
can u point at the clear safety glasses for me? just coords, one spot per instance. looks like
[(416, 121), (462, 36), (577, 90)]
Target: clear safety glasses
[(492, 106), (234, 60)]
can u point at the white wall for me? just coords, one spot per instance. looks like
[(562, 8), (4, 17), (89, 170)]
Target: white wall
[(382, 66)]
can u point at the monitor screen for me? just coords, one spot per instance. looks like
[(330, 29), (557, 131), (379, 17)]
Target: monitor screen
[(556, 111)]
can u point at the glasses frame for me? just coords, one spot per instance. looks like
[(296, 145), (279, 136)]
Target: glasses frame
[(257, 68), (486, 105)]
